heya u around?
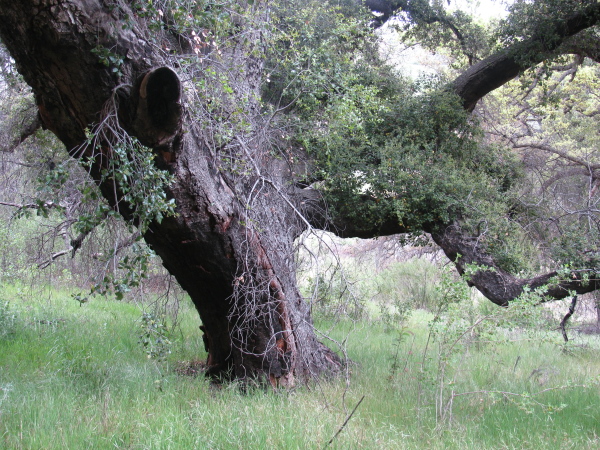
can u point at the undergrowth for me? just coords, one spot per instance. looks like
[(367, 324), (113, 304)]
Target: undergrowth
[(79, 376)]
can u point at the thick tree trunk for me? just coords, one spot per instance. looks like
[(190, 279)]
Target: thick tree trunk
[(230, 245)]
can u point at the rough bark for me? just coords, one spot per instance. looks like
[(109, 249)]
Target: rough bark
[(501, 67), (481, 78), (240, 276)]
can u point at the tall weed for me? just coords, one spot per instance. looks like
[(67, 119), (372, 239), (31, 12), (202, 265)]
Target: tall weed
[(8, 320), (402, 287), (77, 377), (464, 328)]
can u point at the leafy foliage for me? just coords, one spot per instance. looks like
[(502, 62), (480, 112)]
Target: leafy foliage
[(384, 146), (421, 161), (550, 119), (142, 184), (444, 28), (154, 337)]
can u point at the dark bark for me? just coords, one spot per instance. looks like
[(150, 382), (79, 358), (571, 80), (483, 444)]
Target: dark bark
[(501, 67), (563, 322), (498, 285), (240, 277), (465, 250)]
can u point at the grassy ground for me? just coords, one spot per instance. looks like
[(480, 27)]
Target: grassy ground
[(77, 377)]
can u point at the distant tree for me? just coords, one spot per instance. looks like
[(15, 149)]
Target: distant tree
[(223, 131)]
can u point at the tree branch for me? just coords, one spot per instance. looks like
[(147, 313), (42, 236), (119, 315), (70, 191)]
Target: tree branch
[(501, 67), (421, 13), (76, 244), (566, 318), (585, 44), (549, 149), (53, 257), (498, 285), (46, 205), (385, 8), (315, 211)]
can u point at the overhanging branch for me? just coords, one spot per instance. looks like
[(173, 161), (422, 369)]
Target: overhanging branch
[(501, 67), (498, 285), (315, 211)]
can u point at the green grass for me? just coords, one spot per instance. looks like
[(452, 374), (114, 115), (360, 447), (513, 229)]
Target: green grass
[(76, 377)]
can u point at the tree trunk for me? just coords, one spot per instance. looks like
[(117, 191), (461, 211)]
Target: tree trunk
[(231, 244)]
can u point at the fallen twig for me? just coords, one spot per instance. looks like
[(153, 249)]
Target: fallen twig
[(345, 422)]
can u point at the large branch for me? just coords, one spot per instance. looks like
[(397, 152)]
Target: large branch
[(463, 250), (548, 40), (501, 67), (498, 285), (385, 9), (317, 214)]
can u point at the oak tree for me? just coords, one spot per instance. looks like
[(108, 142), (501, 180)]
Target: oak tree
[(224, 130)]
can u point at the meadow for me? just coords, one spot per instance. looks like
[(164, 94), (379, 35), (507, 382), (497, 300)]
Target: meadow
[(77, 375)]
